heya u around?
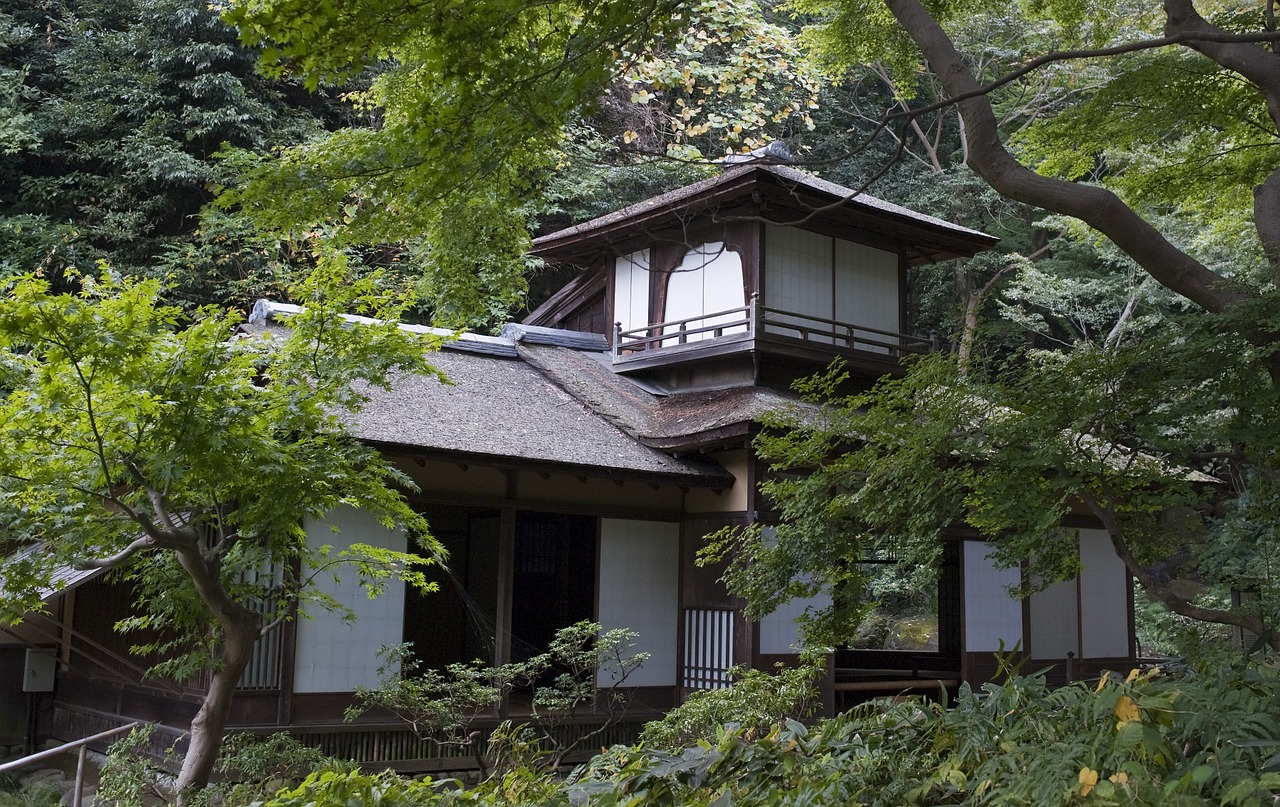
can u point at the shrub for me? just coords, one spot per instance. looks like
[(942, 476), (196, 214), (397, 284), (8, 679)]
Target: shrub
[(755, 703), (1141, 739)]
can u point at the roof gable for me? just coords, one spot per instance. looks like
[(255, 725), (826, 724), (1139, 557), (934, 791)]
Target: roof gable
[(776, 193)]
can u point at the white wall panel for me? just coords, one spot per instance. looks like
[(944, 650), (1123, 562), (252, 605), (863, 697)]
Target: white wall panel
[(1104, 597), (990, 614), (779, 632), (1055, 626), (631, 290), (866, 290), (639, 589), (797, 268), (707, 281), (337, 656)]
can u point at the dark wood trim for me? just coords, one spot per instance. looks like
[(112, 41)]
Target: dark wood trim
[(787, 203), (904, 283), (703, 350), (1133, 620), (288, 663), (506, 586), (1026, 614), (966, 670), (709, 480), (758, 345), (724, 436), (570, 296), (1082, 521), (1079, 610), (600, 509)]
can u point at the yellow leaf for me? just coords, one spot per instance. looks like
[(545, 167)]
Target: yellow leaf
[(629, 136), (1088, 779), (1102, 682), (1120, 778), (1126, 710), (1133, 676)]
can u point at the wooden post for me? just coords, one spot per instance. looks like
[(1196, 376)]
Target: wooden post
[(78, 788), (617, 339), (753, 314), (506, 586)]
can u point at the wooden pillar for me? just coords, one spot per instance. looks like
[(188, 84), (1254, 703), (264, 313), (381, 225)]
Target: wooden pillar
[(502, 622)]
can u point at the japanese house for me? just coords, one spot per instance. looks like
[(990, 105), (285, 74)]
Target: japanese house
[(576, 462)]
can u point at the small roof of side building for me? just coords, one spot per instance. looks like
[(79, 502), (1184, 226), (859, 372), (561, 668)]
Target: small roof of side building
[(789, 191), (679, 422), (63, 578)]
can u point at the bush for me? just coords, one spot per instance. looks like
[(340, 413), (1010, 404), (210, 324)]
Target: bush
[(1144, 739), (251, 768), (755, 703), (356, 789)]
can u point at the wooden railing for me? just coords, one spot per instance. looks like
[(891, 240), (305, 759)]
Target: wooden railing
[(759, 320), (708, 648), (679, 332), (81, 746)]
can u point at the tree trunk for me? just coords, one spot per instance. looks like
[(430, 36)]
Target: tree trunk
[(240, 628), (210, 722)]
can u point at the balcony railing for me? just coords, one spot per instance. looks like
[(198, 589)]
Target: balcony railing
[(755, 321)]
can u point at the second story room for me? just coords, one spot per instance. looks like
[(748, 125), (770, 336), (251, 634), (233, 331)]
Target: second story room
[(757, 276)]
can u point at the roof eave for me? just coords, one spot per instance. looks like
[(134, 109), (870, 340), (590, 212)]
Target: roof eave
[(711, 479)]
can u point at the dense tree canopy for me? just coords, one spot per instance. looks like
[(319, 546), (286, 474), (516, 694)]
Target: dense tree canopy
[(1153, 411), (191, 459), (1155, 127), (123, 107)]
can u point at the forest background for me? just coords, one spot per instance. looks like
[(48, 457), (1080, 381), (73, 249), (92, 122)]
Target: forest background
[(147, 136)]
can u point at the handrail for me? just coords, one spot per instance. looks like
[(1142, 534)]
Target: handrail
[(81, 744), (758, 319)]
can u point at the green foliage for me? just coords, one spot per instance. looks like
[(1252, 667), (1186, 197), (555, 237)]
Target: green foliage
[(1147, 739), (756, 702), (129, 777), (1162, 436), (452, 130), (1144, 740), (356, 789), (40, 794), (732, 79), (1167, 128), (190, 458), (251, 768), (581, 661), (17, 129), (124, 105)]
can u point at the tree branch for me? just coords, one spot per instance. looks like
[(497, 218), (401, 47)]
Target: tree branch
[(1161, 592), (112, 561), (1099, 208)]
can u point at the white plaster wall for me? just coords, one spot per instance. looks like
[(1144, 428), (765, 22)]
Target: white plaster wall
[(639, 589), (779, 632), (798, 276), (1055, 627), (1104, 597), (990, 614), (707, 281), (631, 290), (733, 500), (866, 290), (337, 656)]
